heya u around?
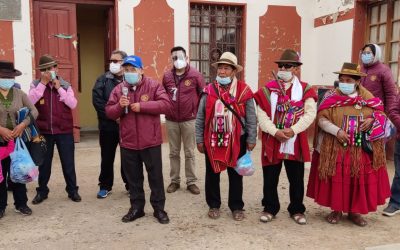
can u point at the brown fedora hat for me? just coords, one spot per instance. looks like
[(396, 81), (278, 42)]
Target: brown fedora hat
[(352, 69), (46, 61), (290, 56), (230, 59), (7, 70)]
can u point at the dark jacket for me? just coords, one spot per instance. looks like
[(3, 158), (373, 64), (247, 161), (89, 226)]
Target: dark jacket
[(189, 87), (100, 94), (140, 130)]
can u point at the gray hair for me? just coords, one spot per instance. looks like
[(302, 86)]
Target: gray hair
[(120, 52)]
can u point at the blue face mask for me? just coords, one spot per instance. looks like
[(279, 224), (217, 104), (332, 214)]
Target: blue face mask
[(223, 80), (132, 78), (346, 88), (367, 58), (6, 83)]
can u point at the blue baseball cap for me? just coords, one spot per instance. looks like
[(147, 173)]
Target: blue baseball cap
[(135, 61)]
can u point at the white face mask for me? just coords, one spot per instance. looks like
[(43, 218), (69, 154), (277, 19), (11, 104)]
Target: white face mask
[(180, 64), (115, 68), (285, 75)]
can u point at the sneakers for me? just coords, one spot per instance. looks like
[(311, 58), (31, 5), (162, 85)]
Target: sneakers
[(173, 187), (24, 210), (103, 193), (193, 189), (390, 210)]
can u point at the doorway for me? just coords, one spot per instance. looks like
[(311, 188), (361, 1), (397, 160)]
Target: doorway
[(80, 36)]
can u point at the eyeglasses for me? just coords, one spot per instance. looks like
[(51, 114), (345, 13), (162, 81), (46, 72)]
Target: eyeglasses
[(285, 65), (115, 61)]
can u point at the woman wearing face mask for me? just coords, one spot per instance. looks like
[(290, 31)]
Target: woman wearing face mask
[(226, 125), (11, 100), (348, 170), (379, 79)]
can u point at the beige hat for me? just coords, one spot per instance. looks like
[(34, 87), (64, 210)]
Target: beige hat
[(230, 59), (352, 69)]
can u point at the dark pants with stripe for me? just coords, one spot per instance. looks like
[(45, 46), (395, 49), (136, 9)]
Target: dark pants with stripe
[(295, 174), (213, 193), (132, 165), (108, 145)]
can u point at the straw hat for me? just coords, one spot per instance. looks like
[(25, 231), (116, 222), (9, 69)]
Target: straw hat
[(230, 59), (350, 69)]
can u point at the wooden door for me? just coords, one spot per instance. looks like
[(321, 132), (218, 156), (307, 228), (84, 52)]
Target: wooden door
[(55, 33)]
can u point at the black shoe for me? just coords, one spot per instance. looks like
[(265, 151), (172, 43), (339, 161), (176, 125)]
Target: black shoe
[(2, 211), (75, 197), (161, 216), (39, 198), (24, 210), (132, 215)]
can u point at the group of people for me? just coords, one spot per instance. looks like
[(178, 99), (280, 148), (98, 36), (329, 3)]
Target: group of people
[(348, 165)]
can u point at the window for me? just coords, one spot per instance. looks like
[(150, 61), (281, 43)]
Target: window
[(214, 29), (384, 30)]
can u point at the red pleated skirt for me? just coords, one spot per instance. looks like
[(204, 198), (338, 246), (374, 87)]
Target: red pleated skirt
[(341, 192)]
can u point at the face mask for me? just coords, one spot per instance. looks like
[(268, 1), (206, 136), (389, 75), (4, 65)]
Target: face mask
[(115, 68), (285, 75), (6, 83), (367, 58), (223, 80), (132, 78), (180, 64), (346, 88), (53, 75)]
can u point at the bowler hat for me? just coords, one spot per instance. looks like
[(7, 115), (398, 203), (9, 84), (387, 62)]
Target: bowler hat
[(290, 56), (350, 69), (7, 70), (46, 61), (230, 59)]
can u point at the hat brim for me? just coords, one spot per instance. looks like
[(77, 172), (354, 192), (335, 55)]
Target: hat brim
[(289, 61), (237, 67), (350, 73), (10, 74), (47, 65)]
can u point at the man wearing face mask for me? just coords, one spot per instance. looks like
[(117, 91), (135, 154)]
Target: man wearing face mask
[(184, 85), (138, 102), (226, 126), (55, 99), (286, 108), (108, 128)]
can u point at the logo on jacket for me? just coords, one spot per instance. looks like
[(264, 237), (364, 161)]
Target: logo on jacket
[(144, 98), (188, 83), (373, 78)]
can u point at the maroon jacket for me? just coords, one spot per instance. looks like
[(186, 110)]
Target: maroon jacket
[(380, 83), (143, 129), (189, 87)]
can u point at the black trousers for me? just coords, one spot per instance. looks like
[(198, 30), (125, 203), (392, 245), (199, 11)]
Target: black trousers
[(132, 165), (19, 190), (213, 193), (108, 145), (66, 150), (295, 174)]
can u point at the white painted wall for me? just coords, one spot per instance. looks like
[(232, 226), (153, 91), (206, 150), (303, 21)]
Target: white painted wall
[(23, 47), (126, 34), (327, 7)]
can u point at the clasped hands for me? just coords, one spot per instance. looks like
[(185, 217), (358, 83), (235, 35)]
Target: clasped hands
[(9, 135), (343, 137), (285, 134), (124, 102)]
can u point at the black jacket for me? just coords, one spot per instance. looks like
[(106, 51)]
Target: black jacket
[(100, 94)]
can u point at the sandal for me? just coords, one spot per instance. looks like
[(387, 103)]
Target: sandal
[(357, 219), (238, 215), (213, 213), (266, 217), (299, 219), (334, 217)]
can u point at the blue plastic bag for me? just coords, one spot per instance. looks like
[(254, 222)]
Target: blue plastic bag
[(244, 165), (22, 169)]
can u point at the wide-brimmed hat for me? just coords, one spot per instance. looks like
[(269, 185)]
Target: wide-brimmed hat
[(290, 56), (230, 59), (46, 61), (7, 70), (352, 69)]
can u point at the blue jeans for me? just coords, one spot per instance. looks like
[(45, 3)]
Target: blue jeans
[(395, 190), (66, 149)]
